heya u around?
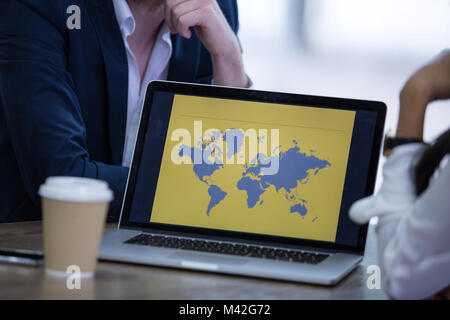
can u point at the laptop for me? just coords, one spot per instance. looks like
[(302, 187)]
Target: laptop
[(248, 183)]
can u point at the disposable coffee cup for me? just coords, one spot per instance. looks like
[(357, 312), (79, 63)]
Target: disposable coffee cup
[(74, 214)]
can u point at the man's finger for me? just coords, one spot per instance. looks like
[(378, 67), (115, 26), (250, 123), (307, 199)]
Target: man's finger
[(168, 8), (190, 19), (185, 7)]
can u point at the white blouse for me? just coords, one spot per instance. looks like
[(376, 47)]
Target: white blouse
[(413, 232)]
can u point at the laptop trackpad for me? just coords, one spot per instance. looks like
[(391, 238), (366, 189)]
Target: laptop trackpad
[(205, 261)]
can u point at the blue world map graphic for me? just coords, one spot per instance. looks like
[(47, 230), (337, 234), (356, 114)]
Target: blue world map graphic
[(295, 168)]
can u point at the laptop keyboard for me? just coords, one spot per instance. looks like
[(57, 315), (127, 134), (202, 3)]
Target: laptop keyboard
[(228, 248)]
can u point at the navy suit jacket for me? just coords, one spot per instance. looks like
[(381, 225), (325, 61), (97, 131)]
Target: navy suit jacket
[(63, 96)]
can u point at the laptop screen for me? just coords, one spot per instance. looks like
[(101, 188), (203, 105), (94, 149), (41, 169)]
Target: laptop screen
[(252, 167)]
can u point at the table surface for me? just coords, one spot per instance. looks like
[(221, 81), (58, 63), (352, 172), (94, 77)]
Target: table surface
[(123, 281)]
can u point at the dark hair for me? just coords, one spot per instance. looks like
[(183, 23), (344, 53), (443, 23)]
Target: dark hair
[(430, 161)]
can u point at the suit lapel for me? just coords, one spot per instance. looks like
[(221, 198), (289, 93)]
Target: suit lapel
[(185, 59), (116, 68)]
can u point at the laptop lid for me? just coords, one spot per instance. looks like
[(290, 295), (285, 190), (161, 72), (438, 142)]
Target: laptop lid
[(252, 165)]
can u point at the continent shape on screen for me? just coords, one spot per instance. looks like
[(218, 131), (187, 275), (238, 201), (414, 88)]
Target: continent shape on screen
[(295, 168)]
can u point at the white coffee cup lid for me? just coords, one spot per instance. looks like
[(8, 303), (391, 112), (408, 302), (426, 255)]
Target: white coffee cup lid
[(76, 189)]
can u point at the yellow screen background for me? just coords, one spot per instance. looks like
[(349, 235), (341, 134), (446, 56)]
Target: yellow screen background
[(182, 199)]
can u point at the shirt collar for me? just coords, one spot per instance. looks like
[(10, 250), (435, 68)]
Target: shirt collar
[(124, 17), (165, 34), (127, 24)]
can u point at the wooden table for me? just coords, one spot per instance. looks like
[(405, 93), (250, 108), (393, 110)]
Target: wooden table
[(121, 281)]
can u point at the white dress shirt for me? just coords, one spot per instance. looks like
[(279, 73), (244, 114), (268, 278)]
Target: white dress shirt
[(413, 232), (157, 69)]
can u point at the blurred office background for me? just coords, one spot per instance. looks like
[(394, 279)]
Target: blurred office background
[(362, 49)]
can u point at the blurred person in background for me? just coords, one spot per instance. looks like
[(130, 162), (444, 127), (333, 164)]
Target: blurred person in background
[(413, 203)]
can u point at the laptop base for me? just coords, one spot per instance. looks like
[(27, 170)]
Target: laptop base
[(328, 272)]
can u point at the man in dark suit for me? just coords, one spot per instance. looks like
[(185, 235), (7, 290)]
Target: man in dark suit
[(72, 78)]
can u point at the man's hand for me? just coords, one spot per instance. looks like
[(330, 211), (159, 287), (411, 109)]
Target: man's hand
[(213, 30), (429, 83)]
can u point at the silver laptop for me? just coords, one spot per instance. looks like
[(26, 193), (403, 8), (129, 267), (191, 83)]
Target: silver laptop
[(248, 183)]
